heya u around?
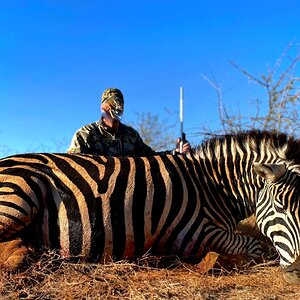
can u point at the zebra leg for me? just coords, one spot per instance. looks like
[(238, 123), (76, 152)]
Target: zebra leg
[(237, 244), (229, 250), (19, 204), (12, 254)]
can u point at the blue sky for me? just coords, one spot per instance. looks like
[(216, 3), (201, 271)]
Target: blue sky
[(56, 58)]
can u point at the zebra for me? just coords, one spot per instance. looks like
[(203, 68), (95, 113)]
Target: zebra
[(97, 207)]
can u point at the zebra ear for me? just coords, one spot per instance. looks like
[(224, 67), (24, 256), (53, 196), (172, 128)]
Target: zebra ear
[(269, 171)]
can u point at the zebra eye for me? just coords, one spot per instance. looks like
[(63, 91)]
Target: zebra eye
[(279, 209)]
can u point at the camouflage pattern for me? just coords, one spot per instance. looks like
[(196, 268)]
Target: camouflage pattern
[(112, 92), (95, 138)]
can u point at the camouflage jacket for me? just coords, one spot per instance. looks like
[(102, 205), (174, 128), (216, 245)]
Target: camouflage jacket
[(95, 138)]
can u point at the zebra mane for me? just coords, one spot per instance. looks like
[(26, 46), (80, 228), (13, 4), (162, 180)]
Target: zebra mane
[(286, 146)]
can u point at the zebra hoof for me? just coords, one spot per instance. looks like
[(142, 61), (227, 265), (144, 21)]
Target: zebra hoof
[(12, 254), (216, 261)]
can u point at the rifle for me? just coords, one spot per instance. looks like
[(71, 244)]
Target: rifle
[(182, 134)]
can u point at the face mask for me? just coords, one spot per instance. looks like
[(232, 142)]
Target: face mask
[(114, 107)]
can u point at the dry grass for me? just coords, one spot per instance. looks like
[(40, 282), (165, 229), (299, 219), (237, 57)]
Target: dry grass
[(149, 278), (51, 278)]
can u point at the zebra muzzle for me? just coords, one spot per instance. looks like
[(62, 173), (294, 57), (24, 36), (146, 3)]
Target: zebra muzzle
[(291, 273), (292, 276)]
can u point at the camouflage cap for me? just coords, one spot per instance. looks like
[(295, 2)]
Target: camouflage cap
[(112, 92)]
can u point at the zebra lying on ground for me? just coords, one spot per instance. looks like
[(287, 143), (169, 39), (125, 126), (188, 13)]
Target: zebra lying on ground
[(96, 207)]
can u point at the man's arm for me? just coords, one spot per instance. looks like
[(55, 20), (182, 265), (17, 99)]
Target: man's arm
[(79, 143)]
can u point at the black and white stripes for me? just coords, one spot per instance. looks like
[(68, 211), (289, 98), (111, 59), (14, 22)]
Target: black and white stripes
[(122, 207)]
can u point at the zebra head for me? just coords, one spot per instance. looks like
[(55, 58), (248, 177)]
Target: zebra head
[(278, 213)]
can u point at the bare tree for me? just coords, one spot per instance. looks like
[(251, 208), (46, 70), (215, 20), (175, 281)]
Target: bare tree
[(156, 132), (282, 97)]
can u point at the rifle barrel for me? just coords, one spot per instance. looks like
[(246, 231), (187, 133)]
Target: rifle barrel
[(181, 118)]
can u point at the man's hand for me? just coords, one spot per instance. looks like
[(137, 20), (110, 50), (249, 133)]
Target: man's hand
[(185, 147)]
